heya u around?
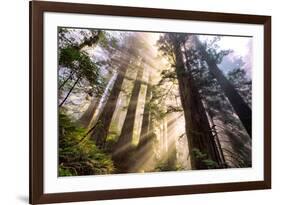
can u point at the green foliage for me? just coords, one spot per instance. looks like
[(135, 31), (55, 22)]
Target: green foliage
[(210, 163), (242, 83), (78, 62), (112, 137), (79, 155), (106, 41), (203, 158), (164, 166), (198, 154), (82, 65), (172, 109), (157, 112), (214, 51), (91, 72), (168, 75), (66, 171), (167, 44), (166, 48), (69, 56)]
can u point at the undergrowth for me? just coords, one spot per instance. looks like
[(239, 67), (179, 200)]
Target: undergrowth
[(78, 155)]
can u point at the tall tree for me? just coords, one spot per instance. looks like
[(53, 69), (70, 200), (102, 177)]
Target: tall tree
[(143, 156), (112, 50), (192, 65), (222, 161), (124, 143), (241, 108), (145, 132), (200, 140), (128, 53), (233, 142), (89, 116), (100, 132)]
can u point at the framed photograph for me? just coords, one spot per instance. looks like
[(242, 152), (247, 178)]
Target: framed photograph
[(137, 102)]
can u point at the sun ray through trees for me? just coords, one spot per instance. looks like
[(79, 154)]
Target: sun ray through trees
[(135, 102)]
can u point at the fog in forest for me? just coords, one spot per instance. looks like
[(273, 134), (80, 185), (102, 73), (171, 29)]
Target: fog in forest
[(134, 102)]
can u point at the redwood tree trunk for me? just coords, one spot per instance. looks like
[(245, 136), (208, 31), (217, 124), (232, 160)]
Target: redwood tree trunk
[(88, 114), (146, 118), (215, 133), (87, 119), (241, 108), (124, 143), (144, 152), (100, 132), (198, 131)]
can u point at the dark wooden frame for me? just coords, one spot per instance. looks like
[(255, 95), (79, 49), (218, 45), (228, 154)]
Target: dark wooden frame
[(37, 9)]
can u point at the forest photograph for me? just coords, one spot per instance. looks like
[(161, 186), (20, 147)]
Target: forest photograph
[(143, 102)]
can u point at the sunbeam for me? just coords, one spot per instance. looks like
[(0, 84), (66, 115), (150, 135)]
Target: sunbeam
[(138, 102)]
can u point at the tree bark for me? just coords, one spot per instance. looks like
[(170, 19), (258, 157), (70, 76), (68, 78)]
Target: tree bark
[(144, 151), (88, 114), (100, 133), (146, 118), (241, 108), (222, 162), (124, 144), (198, 131)]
